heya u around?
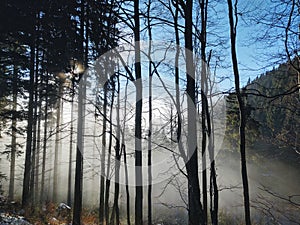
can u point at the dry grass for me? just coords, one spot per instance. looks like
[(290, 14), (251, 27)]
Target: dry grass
[(49, 214)]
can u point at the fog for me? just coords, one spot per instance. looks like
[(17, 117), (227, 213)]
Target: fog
[(273, 183)]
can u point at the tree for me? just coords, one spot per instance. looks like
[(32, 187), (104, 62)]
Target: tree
[(196, 213), (233, 16), (123, 150), (79, 159), (42, 199), (72, 92), (61, 80), (138, 119), (80, 122), (12, 85), (150, 72), (115, 215), (214, 192), (102, 172), (204, 105), (26, 198), (108, 171), (13, 138)]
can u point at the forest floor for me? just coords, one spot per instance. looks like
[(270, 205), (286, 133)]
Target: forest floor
[(50, 214)]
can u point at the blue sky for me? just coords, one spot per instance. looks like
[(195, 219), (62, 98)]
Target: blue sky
[(260, 36)]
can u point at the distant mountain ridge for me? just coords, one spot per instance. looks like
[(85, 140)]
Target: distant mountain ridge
[(273, 114)]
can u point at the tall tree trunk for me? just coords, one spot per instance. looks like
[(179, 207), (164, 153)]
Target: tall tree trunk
[(138, 121), (115, 216), (195, 213), (51, 151), (203, 153), (13, 137), (214, 193), (177, 87), (37, 172), (107, 185), (79, 152), (33, 155), (26, 198), (69, 201), (95, 156), (150, 119), (123, 149), (80, 123), (79, 161), (57, 142), (203, 5), (233, 31), (213, 189), (42, 196), (103, 155), (36, 100), (37, 160)]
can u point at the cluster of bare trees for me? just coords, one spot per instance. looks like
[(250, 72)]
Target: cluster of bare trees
[(91, 29)]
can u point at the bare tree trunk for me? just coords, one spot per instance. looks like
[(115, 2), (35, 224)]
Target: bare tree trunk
[(34, 126), (195, 213), (80, 123), (203, 153), (42, 198), (95, 156), (79, 169), (123, 149), (138, 120), (50, 154), (178, 108), (37, 162), (26, 198), (213, 189), (37, 171), (57, 141), (102, 172), (150, 120), (115, 216), (107, 186), (69, 201), (79, 156), (107, 189), (34, 130), (233, 25), (204, 115), (13, 137)]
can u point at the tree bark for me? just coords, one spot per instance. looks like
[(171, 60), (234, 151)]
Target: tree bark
[(13, 137), (138, 120), (69, 201), (204, 116), (35, 116), (115, 216), (26, 198), (178, 107), (213, 190), (42, 199), (241, 109), (107, 186), (79, 157), (37, 160), (195, 209), (150, 119), (102, 173), (123, 149), (57, 141), (80, 123)]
